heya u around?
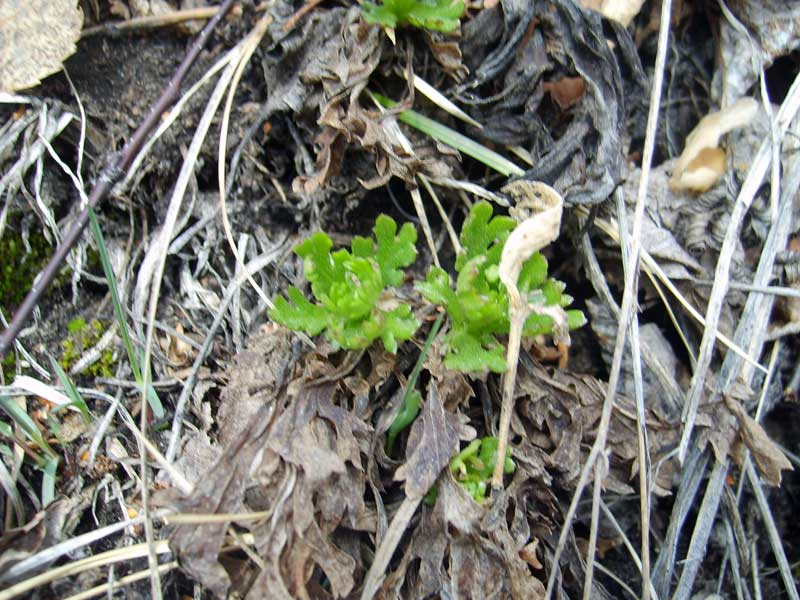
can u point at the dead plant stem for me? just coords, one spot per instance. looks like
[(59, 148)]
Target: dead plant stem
[(628, 305)]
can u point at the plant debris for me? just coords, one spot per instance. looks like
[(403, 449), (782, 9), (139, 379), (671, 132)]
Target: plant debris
[(333, 410)]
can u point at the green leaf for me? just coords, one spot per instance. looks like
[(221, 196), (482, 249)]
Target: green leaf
[(437, 15), (378, 14), (300, 316), (470, 353), (318, 263), (356, 293), (478, 306), (481, 232), (152, 397), (398, 325), (393, 251), (354, 305), (575, 319), (409, 410), (23, 420), (474, 465), (437, 287), (533, 274), (49, 480), (72, 391)]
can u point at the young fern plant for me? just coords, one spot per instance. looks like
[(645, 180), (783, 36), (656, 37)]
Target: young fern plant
[(436, 15), (355, 301), (478, 305)]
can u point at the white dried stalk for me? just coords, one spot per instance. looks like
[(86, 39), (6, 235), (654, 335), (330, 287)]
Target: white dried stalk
[(540, 207)]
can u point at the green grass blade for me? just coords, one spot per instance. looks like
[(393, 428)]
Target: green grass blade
[(6, 451), (21, 418), (440, 100), (49, 481), (452, 138), (400, 423), (72, 391), (152, 398)]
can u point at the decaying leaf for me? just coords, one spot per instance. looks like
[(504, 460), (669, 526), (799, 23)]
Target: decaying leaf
[(660, 372), (447, 53), (36, 36), (289, 447), (583, 159), (726, 425), (538, 208), (766, 31), (701, 163), (432, 442), (254, 381), (45, 529), (566, 92), (463, 546), (769, 458), (559, 413)]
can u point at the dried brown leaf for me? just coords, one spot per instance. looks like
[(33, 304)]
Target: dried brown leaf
[(767, 455), (447, 53), (432, 442), (254, 380), (45, 529), (698, 166), (559, 413), (221, 491), (566, 92)]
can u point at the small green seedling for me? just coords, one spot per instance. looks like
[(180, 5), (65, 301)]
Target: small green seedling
[(473, 466), (478, 306), (409, 404), (436, 15), (353, 288)]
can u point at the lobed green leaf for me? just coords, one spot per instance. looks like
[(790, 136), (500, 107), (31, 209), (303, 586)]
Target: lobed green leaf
[(483, 235), (437, 15), (478, 306), (348, 286)]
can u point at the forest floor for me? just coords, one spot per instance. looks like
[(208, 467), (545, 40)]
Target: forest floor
[(343, 443)]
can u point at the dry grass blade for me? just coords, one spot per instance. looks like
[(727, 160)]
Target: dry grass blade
[(47, 556), (749, 188), (112, 586), (387, 547), (702, 529), (451, 232), (151, 21), (105, 183), (641, 426), (255, 265), (248, 48), (79, 566), (440, 100), (158, 256), (628, 300), (652, 269)]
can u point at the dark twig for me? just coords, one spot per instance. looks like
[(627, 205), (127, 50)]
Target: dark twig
[(116, 166)]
